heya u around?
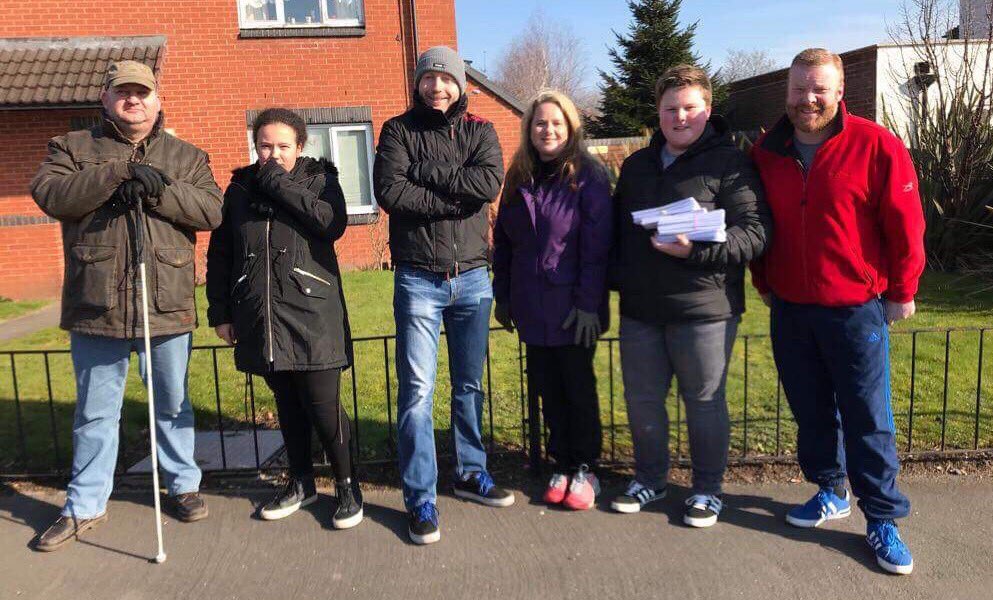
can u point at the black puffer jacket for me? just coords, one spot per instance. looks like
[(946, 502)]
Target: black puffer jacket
[(435, 174), (276, 279), (708, 285)]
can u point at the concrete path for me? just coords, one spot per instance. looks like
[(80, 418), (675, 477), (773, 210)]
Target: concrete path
[(47, 316), (525, 551)]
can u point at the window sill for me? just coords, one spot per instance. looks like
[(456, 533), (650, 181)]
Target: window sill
[(300, 32), (363, 218)]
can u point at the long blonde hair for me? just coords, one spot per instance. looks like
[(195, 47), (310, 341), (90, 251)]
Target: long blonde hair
[(568, 164)]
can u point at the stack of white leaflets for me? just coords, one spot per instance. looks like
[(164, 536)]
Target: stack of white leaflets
[(686, 217)]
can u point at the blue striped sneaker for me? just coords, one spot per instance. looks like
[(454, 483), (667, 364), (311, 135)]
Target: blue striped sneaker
[(702, 510), (891, 553), (824, 506)]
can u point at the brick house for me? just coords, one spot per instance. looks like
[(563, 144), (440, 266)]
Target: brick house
[(345, 65)]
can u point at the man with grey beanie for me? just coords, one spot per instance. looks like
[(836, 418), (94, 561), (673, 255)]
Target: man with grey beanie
[(437, 169)]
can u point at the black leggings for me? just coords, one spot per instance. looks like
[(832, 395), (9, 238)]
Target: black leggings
[(563, 376), (312, 397)]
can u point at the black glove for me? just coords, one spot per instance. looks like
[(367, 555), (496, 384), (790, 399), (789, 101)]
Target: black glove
[(587, 327), (152, 180), (261, 206), (501, 312), (128, 195), (267, 177)]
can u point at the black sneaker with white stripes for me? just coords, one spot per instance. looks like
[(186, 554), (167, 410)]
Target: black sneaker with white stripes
[(636, 497), (297, 493), (702, 510)]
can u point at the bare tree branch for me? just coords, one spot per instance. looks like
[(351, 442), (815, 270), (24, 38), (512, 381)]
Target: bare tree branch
[(546, 55), (742, 64)]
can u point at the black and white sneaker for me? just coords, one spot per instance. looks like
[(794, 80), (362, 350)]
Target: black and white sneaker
[(636, 497), (423, 526), (349, 511), (702, 510), (296, 494), (479, 487)]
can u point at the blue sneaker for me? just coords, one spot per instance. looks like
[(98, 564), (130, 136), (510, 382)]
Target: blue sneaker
[(824, 506), (891, 553), (423, 527), (479, 487)]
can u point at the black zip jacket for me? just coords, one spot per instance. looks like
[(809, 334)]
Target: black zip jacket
[(435, 175), (272, 271), (708, 285)]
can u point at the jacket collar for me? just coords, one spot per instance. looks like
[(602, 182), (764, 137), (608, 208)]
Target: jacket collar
[(306, 168), (110, 129), (716, 133), (434, 117), (780, 137)]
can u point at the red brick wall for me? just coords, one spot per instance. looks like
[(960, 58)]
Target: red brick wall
[(209, 78), (758, 102), (31, 254)]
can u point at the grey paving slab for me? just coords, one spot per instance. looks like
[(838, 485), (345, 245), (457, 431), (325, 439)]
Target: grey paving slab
[(43, 318), (238, 450), (525, 551)]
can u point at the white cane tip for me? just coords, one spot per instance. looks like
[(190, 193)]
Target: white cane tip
[(160, 558)]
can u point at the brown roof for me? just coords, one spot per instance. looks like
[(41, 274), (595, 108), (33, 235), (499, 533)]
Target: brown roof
[(58, 72)]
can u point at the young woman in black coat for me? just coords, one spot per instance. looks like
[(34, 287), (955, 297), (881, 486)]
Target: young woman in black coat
[(274, 290)]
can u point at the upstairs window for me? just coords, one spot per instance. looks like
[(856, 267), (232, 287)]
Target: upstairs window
[(260, 14)]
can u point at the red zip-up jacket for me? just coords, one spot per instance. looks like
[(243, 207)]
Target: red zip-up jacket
[(852, 229)]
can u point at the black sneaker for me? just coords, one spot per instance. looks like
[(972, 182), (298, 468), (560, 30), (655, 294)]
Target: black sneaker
[(188, 507), (702, 510), (479, 487), (297, 493), (636, 497), (349, 511), (423, 528)]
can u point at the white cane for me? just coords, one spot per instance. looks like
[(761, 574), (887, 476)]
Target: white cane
[(139, 239)]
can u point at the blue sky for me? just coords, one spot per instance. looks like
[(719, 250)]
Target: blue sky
[(781, 28)]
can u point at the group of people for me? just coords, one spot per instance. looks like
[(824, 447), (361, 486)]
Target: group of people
[(824, 209)]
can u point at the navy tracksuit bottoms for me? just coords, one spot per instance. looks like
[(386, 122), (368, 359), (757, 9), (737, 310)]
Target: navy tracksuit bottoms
[(834, 365)]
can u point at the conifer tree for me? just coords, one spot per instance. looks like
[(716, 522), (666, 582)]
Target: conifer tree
[(654, 42)]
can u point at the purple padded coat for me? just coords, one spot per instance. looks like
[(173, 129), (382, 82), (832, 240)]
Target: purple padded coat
[(550, 247)]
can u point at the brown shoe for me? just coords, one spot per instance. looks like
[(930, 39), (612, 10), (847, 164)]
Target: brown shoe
[(188, 507), (64, 530)]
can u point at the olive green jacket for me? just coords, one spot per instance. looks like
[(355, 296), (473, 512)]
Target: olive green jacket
[(101, 289)]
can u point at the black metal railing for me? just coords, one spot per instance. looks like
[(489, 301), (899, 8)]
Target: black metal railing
[(36, 403)]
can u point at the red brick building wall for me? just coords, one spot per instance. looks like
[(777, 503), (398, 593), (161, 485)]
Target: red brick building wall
[(209, 78), (758, 102)]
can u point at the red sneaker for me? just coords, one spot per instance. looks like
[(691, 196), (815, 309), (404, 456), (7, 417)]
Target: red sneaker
[(555, 492), (583, 490)]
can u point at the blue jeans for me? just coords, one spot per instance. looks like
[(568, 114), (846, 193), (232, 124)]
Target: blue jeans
[(835, 368), (101, 366), (421, 301)]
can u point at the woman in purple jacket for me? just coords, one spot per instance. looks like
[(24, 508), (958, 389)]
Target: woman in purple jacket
[(551, 240)]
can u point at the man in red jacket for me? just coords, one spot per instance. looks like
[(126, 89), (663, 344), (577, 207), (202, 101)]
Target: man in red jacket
[(843, 264)]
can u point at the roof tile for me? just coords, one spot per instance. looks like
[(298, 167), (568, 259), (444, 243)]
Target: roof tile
[(39, 72)]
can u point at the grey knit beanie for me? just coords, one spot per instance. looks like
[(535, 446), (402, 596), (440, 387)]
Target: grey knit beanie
[(444, 60)]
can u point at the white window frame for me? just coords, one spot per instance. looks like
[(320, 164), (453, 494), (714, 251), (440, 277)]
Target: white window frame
[(332, 128), (280, 21)]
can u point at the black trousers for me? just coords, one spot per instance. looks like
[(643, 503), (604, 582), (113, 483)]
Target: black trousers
[(306, 400), (563, 376)]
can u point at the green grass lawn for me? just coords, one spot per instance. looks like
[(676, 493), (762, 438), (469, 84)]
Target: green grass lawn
[(944, 301), (10, 309)]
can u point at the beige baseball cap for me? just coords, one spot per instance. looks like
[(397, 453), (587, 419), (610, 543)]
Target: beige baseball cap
[(129, 71)]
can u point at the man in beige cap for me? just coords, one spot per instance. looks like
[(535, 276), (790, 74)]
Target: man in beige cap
[(92, 181)]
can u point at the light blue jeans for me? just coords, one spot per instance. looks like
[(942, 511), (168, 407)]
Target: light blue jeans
[(421, 302), (101, 366)]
